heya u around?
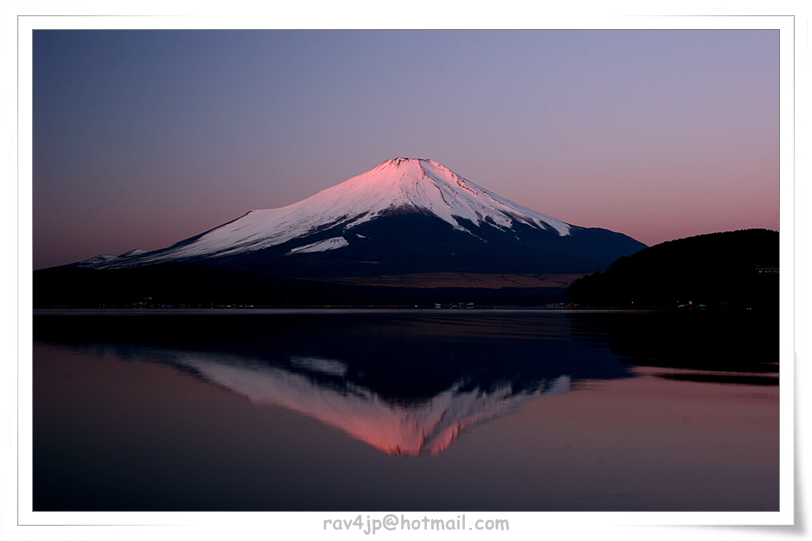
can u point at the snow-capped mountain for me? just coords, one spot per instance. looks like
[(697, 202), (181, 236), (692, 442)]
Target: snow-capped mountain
[(403, 216)]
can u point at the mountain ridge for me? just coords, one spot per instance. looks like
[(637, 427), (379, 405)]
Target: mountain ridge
[(404, 216), (399, 185), (382, 237)]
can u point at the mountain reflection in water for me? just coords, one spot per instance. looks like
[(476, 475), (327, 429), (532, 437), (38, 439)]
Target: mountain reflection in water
[(298, 411), (406, 383), (318, 389)]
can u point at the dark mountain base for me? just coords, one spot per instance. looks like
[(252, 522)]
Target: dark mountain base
[(186, 285), (409, 243)]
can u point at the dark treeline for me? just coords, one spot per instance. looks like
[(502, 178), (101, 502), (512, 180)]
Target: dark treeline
[(186, 285), (736, 269)]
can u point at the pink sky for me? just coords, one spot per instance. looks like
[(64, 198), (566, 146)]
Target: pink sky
[(143, 139)]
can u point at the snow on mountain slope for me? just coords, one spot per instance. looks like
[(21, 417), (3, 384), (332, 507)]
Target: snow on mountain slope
[(106, 260), (322, 246), (133, 253), (98, 261), (398, 184)]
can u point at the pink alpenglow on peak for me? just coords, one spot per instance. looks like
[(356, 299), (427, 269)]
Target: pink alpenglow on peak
[(427, 185), (396, 185)]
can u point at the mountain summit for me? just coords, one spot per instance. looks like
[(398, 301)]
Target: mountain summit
[(404, 216)]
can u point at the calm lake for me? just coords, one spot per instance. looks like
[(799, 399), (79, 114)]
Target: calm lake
[(442, 410)]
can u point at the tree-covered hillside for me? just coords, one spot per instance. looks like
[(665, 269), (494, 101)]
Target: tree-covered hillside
[(736, 268)]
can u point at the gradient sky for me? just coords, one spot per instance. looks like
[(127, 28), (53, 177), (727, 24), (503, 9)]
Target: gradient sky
[(145, 138)]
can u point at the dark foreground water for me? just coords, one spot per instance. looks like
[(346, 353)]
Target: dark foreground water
[(436, 410)]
